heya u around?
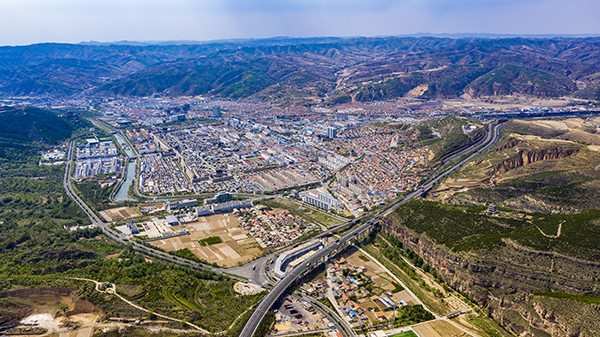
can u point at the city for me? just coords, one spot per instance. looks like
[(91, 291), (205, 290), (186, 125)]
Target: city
[(224, 168)]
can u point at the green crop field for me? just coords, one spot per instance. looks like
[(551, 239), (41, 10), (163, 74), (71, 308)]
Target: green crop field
[(210, 241)]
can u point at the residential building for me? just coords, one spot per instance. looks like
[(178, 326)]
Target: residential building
[(320, 198)]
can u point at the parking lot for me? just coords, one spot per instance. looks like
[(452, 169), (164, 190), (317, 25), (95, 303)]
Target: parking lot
[(293, 315)]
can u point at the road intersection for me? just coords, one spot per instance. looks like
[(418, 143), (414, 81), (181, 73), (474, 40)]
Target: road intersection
[(255, 271)]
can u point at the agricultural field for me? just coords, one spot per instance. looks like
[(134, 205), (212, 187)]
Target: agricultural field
[(215, 239), (439, 329), (120, 213)]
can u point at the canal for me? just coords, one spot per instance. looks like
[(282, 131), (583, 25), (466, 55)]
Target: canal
[(121, 194)]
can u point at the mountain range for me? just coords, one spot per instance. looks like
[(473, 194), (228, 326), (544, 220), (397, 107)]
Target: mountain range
[(309, 70)]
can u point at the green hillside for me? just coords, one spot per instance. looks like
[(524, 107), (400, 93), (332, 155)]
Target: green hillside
[(309, 71), (24, 131), (511, 79)]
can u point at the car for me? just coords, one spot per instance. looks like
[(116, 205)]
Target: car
[(299, 316), (293, 312), (254, 267)]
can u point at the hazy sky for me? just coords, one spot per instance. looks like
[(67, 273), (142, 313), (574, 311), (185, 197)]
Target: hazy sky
[(33, 21)]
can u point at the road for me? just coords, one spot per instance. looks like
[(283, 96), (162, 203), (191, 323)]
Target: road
[(280, 287), (257, 274), (118, 236), (246, 271)]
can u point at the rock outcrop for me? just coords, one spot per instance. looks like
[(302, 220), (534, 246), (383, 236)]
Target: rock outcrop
[(511, 270), (526, 157)]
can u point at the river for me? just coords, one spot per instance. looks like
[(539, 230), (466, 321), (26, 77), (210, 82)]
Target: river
[(121, 194), (124, 145)]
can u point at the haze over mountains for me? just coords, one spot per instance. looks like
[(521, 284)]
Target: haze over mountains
[(309, 70)]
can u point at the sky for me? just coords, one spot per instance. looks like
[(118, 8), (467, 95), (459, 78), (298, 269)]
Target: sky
[(25, 22)]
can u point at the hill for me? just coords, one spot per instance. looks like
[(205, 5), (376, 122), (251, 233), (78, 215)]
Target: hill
[(24, 131), (308, 71), (26, 124), (534, 260)]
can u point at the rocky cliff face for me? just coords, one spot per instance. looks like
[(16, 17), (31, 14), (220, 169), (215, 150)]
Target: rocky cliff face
[(529, 315), (509, 145), (504, 273), (526, 157)]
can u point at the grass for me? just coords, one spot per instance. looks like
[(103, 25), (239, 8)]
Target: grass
[(210, 241), (411, 279), (578, 298), (467, 228), (488, 326), (309, 214), (406, 334), (328, 303), (187, 254), (364, 258), (397, 287)]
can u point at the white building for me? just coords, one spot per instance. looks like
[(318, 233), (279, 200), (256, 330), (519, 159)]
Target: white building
[(320, 198), (331, 132)]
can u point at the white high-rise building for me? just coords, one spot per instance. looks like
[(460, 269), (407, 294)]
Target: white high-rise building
[(216, 112), (331, 132)]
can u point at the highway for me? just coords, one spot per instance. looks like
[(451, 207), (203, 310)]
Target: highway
[(280, 287), (120, 237)]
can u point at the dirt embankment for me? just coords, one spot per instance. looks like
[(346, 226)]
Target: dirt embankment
[(511, 270), (526, 157)]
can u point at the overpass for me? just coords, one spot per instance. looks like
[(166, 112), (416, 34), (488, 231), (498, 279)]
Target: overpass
[(280, 287)]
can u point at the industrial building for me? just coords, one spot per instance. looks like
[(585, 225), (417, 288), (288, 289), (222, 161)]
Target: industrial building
[(223, 207), (171, 220), (97, 157)]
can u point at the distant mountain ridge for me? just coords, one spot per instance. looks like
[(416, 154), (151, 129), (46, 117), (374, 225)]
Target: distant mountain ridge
[(308, 70)]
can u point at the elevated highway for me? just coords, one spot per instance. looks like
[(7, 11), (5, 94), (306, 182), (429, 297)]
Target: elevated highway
[(280, 287), (291, 277)]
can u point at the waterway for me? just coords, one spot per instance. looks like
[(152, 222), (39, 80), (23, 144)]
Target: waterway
[(121, 194), (124, 145)]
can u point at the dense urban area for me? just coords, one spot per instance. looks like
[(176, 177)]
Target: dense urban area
[(413, 214)]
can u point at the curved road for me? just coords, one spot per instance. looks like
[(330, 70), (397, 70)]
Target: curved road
[(274, 294), (256, 275)]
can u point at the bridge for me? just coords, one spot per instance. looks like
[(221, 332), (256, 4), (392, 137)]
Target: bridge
[(318, 257)]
